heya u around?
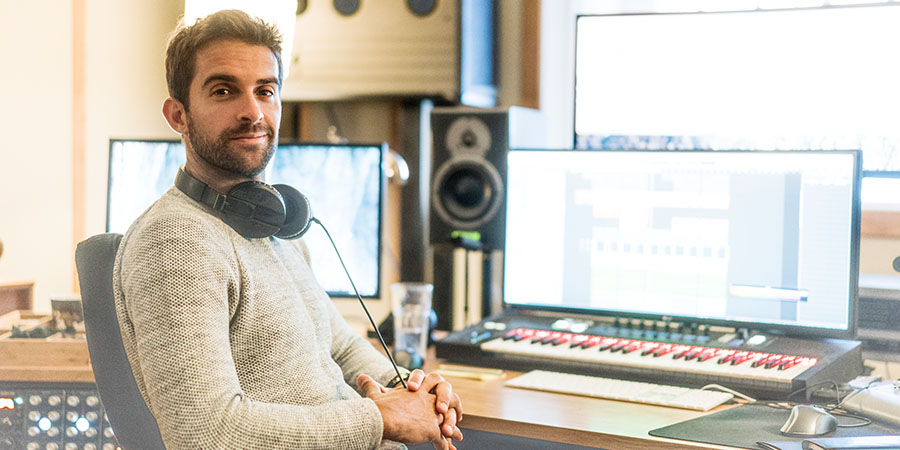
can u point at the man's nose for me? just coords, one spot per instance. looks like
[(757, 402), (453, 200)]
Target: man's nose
[(251, 111)]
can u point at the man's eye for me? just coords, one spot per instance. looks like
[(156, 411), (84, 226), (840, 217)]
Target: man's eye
[(221, 91), (266, 92)]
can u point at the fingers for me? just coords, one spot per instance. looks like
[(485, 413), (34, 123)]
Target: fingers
[(449, 428), (448, 425), (444, 393), (438, 440), (415, 380), (442, 443), (367, 386), (457, 434), (431, 381), (456, 403), (445, 397)]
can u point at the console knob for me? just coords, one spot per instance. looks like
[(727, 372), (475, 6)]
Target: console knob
[(54, 400)]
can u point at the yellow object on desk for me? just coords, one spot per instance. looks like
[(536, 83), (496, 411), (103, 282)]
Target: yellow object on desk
[(475, 373)]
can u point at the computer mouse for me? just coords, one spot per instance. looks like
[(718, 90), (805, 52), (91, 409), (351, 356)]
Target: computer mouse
[(808, 420)]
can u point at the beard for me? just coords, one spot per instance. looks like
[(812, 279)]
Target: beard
[(222, 153)]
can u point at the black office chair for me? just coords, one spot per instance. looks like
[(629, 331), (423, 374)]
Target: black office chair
[(134, 426)]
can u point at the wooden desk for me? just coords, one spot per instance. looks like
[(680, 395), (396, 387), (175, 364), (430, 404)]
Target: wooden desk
[(487, 406), (491, 406)]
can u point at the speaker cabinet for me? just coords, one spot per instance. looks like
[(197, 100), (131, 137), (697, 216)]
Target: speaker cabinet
[(468, 194), (440, 49), (468, 178)]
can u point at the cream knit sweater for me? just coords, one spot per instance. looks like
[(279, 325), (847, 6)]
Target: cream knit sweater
[(233, 343)]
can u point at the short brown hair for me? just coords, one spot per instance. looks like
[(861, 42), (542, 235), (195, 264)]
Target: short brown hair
[(188, 40)]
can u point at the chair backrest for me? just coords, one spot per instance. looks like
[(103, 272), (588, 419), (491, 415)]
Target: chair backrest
[(134, 426)]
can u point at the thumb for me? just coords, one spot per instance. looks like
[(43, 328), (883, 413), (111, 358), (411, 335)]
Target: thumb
[(366, 385)]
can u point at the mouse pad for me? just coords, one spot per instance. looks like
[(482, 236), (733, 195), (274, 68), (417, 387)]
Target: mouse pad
[(743, 426)]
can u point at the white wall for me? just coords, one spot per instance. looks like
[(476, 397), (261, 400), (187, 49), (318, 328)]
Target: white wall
[(125, 87), (36, 148)]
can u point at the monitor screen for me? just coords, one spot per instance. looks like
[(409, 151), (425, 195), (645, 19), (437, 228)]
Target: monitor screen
[(817, 78), (750, 239), (344, 184)]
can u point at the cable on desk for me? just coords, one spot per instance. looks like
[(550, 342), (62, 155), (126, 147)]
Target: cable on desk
[(730, 391), (833, 409)]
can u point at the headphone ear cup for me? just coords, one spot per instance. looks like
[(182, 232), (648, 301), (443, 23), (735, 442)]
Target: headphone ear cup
[(298, 212), (254, 209)]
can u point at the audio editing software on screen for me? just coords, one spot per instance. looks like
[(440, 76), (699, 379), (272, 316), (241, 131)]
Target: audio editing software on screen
[(727, 235)]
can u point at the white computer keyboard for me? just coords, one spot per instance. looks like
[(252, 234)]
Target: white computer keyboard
[(612, 389)]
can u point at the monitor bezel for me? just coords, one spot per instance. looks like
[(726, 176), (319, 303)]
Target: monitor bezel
[(767, 328), (382, 197)]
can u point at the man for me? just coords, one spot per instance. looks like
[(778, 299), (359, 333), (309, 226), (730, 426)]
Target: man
[(232, 342)]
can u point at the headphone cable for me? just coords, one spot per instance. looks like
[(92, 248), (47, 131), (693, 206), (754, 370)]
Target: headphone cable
[(359, 297)]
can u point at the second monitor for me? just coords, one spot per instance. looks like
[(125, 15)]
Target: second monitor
[(344, 183)]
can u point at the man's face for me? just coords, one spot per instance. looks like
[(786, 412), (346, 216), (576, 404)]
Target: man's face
[(235, 107)]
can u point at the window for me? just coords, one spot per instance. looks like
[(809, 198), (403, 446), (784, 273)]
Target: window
[(815, 78)]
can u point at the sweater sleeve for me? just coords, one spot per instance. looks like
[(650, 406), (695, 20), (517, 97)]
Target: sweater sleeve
[(176, 282), (356, 355)]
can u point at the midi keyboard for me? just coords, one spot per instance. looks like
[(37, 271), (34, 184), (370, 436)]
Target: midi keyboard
[(772, 369)]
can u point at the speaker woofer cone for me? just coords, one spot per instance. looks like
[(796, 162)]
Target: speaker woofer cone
[(467, 192)]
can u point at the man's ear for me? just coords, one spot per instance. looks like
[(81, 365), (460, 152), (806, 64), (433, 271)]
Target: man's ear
[(175, 115)]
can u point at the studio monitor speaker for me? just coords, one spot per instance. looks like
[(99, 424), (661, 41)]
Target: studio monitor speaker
[(468, 194), (440, 49), (468, 182)]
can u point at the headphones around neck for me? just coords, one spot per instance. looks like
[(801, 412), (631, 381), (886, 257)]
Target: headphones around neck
[(252, 208)]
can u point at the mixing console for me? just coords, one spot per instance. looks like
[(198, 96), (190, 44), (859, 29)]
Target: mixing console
[(53, 416)]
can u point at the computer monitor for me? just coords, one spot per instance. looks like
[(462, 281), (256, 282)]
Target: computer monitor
[(762, 240), (344, 184)]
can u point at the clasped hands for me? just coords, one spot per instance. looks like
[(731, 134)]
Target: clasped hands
[(427, 411)]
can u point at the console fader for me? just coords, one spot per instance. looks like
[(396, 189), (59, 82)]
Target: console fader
[(53, 416)]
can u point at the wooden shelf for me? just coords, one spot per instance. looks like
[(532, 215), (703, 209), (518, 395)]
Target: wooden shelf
[(15, 295), (54, 358)]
